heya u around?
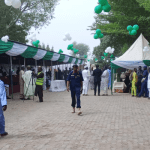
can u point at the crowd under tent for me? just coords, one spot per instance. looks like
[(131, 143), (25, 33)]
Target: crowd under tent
[(133, 57), (15, 53)]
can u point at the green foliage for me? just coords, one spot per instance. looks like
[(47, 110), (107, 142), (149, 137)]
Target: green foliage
[(83, 49), (114, 26), (145, 4), (16, 23)]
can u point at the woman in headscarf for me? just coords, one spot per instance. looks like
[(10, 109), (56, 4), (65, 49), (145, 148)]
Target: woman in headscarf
[(104, 82), (127, 82)]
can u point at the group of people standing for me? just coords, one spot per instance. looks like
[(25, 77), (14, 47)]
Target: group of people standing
[(31, 84), (98, 78), (139, 82)]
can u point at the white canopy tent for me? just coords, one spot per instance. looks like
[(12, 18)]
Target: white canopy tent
[(135, 55)]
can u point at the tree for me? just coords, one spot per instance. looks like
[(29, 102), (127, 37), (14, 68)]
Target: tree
[(145, 4), (115, 23), (16, 23), (52, 49), (83, 49), (48, 48), (43, 46)]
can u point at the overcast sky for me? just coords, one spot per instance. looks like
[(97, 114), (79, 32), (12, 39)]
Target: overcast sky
[(74, 17)]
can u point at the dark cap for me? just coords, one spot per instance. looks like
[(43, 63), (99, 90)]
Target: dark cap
[(75, 65)]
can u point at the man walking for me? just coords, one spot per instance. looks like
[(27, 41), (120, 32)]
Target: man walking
[(3, 107), (75, 80), (97, 79), (86, 81), (21, 82), (39, 84), (29, 83)]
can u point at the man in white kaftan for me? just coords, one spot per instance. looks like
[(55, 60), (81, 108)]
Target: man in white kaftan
[(85, 75), (105, 79), (3, 107), (29, 83)]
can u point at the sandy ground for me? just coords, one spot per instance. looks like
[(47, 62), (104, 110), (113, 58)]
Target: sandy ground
[(117, 122)]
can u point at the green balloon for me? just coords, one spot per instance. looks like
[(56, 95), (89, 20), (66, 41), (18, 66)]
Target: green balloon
[(133, 32), (36, 43), (130, 33), (129, 28), (101, 35), (98, 32), (98, 9), (106, 54), (95, 36), (85, 56), (70, 47), (88, 59), (60, 51), (102, 57), (96, 59), (135, 27), (75, 50), (106, 8), (112, 56), (103, 2)]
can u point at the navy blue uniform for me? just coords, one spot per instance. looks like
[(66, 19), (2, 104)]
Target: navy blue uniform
[(144, 84), (75, 87)]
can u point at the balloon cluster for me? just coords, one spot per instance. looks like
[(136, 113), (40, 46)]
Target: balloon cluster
[(60, 51), (98, 34), (133, 30), (103, 5), (14, 3), (85, 56), (146, 49), (109, 50), (36, 43), (5, 38), (67, 37), (70, 47), (75, 50)]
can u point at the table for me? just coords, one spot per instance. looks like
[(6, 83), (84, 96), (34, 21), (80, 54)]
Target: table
[(58, 86)]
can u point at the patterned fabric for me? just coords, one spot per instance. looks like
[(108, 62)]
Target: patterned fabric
[(21, 83)]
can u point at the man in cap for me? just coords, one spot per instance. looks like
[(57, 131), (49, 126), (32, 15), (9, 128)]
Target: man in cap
[(75, 80), (39, 84), (144, 83), (3, 107), (86, 81), (21, 82), (29, 83)]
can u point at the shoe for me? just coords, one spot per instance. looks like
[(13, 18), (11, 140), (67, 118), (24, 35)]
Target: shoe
[(132, 95), (98, 94), (103, 95), (83, 94), (8, 98), (22, 98), (94, 94), (4, 134)]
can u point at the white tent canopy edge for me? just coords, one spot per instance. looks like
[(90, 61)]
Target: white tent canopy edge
[(134, 56)]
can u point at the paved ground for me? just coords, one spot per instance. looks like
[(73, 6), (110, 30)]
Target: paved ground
[(116, 122)]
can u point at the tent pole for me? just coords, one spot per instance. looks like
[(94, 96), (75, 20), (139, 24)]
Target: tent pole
[(11, 76), (57, 69), (51, 72), (35, 66), (25, 63)]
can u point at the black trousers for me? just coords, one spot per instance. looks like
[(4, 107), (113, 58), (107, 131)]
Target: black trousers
[(39, 92), (95, 87)]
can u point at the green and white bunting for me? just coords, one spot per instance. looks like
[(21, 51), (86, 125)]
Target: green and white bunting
[(15, 49)]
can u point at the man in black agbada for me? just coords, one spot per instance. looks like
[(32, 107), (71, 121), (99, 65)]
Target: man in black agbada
[(97, 79)]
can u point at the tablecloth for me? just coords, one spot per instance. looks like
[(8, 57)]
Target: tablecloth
[(57, 86)]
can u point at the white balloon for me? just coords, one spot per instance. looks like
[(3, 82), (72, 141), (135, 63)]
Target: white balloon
[(69, 38), (5, 38), (8, 2), (16, 3), (107, 60)]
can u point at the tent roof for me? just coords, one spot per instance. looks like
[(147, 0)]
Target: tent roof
[(134, 56)]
